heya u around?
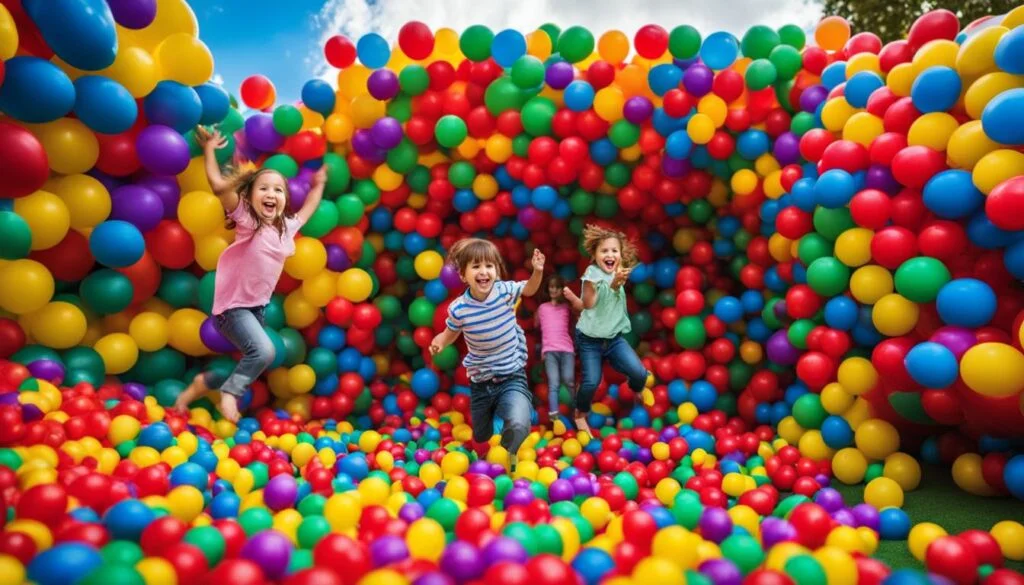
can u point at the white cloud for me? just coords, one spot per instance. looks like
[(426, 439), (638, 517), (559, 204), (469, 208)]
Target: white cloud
[(217, 79), (355, 18)]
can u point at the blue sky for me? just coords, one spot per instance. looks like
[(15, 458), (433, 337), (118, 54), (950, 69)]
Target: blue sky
[(284, 39)]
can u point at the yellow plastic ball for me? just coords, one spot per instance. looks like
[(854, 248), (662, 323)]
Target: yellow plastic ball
[(870, 283), (744, 181), (976, 55), (8, 34), (922, 535), (883, 492), (301, 378), (183, 332), (59, 325), (677, 545), (835, 399), (366, 110), (355, 285), (12, 572), (840, 567), (86, 199), (320, 289), (937, 53), (310, 258), (373, 491), (845, 538), (1010, 536), (932, 130), (46, 215), (812, 445), (135, 69), (968, 144), (967, 474), (901, 79), (157, 571), (836, 113), (857, 375), (428, 264), (863, 128), (454, 464), (123, 428), (430, 474), (985, 88), (700, 128), (119, 352), (996, 167), (185, 502), (877, 438), (713, 107), (149, 330), (894, 315), (608, 102), (790, 430), (904, 470), (342, 511), (70, 146), (184, 58), (596, 511), (993, 369), (849, 466), (425, 539), (853, 247), (658, 570), (200, 213), (338, 128)]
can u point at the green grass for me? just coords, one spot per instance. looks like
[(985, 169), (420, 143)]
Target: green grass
[(939, 500)]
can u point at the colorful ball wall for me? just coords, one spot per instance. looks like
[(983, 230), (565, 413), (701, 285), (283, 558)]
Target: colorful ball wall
[(831, 242)]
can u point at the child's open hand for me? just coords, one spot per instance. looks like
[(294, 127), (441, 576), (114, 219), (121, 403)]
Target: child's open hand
[(320, 178), (210, 140), (436, 345), (621, 275), (538, 260)]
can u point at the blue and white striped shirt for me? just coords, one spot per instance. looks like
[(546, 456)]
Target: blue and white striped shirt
[(495, 342)]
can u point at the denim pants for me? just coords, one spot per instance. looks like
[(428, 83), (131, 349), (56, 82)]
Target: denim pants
[(560, 367), (243, 327), (509, 399), (593, 351)]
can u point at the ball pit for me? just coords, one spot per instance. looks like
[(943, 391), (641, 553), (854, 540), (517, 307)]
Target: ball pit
[(830, 257)]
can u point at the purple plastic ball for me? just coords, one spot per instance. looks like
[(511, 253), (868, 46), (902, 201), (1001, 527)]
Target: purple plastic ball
[(582, 485), (503, 548), (9, 399), (337, 258), (880, 177), (461, 561), (844, 517), (109, 183), (30, 412), (780, 350), (637, 109), (786, 148), (775, 530), (479, 467), (260, 133), (559, 75), (271, 550), (167, 189), (213, 339), (721, 572), (134, 14), (715, 524), (698, 80), (134, 390), (812, 97), (411, 512), (433, 578), (388, 549), (362, 143), (450, 277), (138, 206), (386, 132), (560, 490), (162, 151), (280, 492), (866, 515), (669, 433), (383, 84), (829, 499), (673, 167), (48, 370), (518, 497), (956, 339)]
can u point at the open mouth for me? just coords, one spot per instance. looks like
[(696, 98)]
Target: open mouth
[(269, 208), (609, 264), (483, 282)]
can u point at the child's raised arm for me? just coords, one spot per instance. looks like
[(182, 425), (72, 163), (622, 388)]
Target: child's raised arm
[(222, 188), (533, 284), (589, 298), (315, 194), (443, 340)]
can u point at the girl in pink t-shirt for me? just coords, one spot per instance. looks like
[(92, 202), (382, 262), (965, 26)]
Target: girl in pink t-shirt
[(556, 343), (257, 205)]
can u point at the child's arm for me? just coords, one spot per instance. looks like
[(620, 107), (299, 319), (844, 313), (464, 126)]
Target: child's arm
[(443, 340), (315, 194), (222, 188), (589, 295), (533, 284), (574, 301), (620, 278)]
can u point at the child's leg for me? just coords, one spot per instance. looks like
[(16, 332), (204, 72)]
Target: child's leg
[(567, 367), (554, 380), (625, 361), (590, 369), (242, 327), (513, 406), (481, 412)]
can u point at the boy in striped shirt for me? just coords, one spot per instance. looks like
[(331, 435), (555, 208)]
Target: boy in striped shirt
[(496, 345)]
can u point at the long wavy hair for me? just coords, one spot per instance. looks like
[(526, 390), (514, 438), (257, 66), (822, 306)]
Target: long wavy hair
[(593, 235)]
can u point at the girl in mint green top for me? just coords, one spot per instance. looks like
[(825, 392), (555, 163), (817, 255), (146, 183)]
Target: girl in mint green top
[(604, 318)]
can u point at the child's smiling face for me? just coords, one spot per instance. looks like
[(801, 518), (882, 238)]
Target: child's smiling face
[(608, 255), (268, 196), (479, 276)]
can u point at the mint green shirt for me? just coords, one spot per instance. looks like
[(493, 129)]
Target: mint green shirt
[(608, 317)]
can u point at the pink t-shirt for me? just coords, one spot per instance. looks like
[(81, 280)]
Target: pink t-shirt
[(248, 269), (554, 327)]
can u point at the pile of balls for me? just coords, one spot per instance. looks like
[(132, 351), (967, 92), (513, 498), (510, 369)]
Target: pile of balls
[(831, 251)]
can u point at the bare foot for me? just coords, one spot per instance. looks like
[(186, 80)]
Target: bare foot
[(229, 406), (581, 423), (196, 389)]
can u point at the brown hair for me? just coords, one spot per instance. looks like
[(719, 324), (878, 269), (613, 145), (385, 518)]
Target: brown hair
[(469, 250), (242, 182), (593, 235), (554, 280)]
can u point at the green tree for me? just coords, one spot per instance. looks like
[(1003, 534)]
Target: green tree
[(891, 20)]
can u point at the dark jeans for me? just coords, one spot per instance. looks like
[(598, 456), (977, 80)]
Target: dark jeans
[(243, 327), (593, 351), (560, 367), (509, 399)]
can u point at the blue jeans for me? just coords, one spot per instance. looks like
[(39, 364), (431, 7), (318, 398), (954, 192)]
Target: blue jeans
[(593, 351), (560, 367), (243, 327), (509, 399)]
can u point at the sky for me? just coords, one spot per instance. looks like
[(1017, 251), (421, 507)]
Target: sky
[(284, 40)]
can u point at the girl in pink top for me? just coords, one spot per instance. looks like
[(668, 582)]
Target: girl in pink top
[(248, 270), (556, 344)]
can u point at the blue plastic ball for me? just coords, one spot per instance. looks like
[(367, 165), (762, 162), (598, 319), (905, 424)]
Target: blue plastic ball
[(425, 383), (157, 435), (664, 77), (836, 432), (216, 103), (936, 89), (703, 395), (104, 105), (860, 87), (64, 564), (189, 474), (1013, 476), (966, 302), (1003, 117), (373, 50), (35, 91), (719, 50), (951, 194), (81, 32), (893, 524), (678, 145), (1009, 53), (173, 104), (544, 198), (127, 519), (834, 189), (729, 309), (318, 96), (932, 365), (507, 46), (117, 243), (578, 96), (592, 564)]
